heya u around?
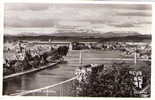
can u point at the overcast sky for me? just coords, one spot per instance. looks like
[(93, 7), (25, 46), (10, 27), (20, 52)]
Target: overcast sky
[(55, 18)]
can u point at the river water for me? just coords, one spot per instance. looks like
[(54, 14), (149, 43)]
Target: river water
[(40, 79)]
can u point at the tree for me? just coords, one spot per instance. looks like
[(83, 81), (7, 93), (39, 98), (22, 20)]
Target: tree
[(116, 83)]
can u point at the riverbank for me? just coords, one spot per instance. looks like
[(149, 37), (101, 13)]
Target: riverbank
[(29, 71)]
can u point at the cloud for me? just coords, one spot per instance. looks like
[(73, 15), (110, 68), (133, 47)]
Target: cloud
[(81, 16), (143, 22), (131, 6), (142, 14), (31, 23), (123, 25), (26, 6)]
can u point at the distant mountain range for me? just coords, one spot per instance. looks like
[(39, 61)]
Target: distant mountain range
[(83, 34), (107, 34), (73, 36), (120, 34)]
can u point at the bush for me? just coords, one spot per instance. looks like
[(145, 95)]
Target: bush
[(116, 83)]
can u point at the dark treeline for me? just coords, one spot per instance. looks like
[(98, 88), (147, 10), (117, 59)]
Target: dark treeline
[(135, 38)]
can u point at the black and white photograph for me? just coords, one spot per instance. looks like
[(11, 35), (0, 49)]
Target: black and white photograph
[(77, 50)]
